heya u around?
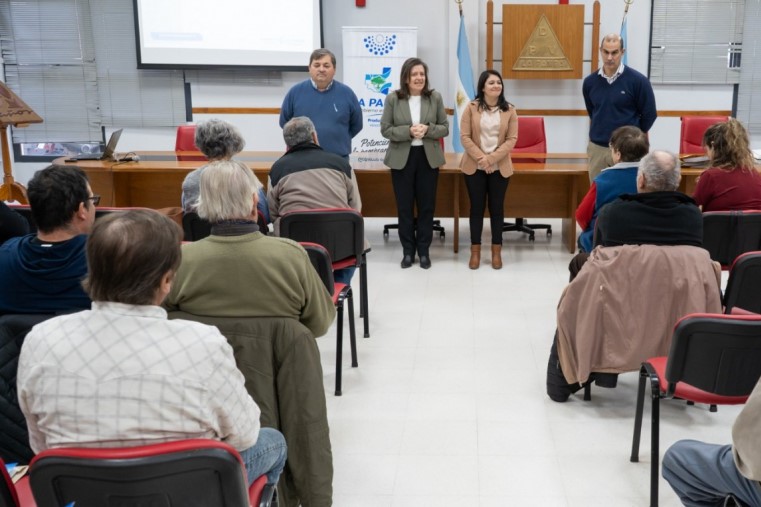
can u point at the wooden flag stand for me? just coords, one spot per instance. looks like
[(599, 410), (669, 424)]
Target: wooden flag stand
[(13, 111)]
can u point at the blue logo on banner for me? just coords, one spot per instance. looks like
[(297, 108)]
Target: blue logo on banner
[(378, 82), (380, 44)]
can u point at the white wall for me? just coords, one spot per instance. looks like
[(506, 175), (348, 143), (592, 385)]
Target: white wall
[(437, 22)]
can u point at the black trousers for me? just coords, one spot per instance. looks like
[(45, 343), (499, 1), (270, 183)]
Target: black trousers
[(415, 186), (483, 188)]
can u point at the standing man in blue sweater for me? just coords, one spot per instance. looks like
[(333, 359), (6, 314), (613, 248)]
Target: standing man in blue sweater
[(615, 95), (332, 106)]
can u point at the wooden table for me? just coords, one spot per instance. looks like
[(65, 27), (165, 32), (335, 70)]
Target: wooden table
[(543, 186)]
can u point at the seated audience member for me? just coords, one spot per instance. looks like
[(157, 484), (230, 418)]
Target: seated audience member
[(709, 474), (42, 273), (656, 215), (732, 181), (217, 140), (12, 223), (308, 177), (239, 272), (152, 380), (627, 146)]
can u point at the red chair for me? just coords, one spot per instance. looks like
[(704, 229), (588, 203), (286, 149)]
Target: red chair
[(190, 472), (340, 292), (186, 138), (691, 136), (531, 139), (14, 495), (714, 359), (742, 292), (342, 232)]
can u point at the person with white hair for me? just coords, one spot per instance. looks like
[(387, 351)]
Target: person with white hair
[(239, 272)]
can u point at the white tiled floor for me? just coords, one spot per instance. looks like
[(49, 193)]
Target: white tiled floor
[(448, 405)]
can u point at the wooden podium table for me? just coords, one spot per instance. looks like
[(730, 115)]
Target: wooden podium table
[(543, 186)]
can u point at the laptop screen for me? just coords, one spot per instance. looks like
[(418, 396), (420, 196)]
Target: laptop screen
[(108, 153)]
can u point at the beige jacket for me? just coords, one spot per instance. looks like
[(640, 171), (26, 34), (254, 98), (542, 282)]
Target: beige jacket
[(621, 308), (470, 136), (746, 437)]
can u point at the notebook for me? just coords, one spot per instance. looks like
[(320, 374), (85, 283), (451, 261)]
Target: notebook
[(108, 153)]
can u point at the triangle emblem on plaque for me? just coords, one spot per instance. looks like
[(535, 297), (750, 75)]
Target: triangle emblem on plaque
[(542, 50)]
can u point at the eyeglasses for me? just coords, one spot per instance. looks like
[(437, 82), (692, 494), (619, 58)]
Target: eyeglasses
[(95, 198)]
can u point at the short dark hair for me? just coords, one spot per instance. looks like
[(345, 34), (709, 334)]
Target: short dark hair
[(128, 253), (630, 142), (55, 194), (318, 54), (218, 139), (404, 89)]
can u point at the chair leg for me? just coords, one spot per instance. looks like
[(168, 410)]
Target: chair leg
[(588, 390), (634, 458), (363, 298), (352, 331), (654, 443), (339, 345)]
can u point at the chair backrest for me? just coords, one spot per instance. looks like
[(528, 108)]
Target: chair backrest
[(727, 234), (531, 136), (744, 284), (14, 437), (194, 227), (186, 472), (320, 259), (693, 128), (341, 231), (185, 140), (720, 354), (26, 211)]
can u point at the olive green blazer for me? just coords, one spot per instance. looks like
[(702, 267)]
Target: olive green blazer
[(395, 126)]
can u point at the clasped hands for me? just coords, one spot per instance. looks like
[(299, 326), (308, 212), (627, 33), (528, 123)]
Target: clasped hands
[(484, 163), (418, 130)]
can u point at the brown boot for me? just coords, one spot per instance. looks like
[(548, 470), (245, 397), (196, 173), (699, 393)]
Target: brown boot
[(475, 256), (496, 256)]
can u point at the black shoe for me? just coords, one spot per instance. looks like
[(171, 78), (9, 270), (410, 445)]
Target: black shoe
[(609, 380), (407, 261), (425, 262)]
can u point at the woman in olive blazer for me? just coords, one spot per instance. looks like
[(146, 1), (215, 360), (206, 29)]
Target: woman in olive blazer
[(488, 131), (414, 121)]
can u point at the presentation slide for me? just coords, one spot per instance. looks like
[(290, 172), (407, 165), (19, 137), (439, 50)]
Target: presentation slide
[(246, 33)]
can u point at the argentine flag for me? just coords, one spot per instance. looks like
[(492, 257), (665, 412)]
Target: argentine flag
[(465, 91)]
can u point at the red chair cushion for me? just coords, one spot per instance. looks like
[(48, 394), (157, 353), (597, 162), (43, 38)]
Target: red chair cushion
[(689, 393), (693, 128), (255, 490)]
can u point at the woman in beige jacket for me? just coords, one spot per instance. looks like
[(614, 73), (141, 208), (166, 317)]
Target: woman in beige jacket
[(489, 131)]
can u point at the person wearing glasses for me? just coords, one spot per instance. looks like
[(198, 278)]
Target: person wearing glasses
[(42, 272)]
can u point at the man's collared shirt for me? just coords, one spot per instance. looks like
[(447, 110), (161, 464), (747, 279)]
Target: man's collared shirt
[(314, 85), (610, 79)]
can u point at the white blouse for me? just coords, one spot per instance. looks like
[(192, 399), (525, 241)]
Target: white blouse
[(415, 104), (489, 130)]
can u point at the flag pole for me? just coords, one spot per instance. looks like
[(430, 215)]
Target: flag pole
[(459, 5), (627, 3)]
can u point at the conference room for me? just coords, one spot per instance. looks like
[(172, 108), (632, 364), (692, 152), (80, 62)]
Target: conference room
[(447, 404)]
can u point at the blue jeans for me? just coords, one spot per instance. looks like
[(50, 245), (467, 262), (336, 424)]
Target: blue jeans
[(704, 474), (266, 456), (344, 275)]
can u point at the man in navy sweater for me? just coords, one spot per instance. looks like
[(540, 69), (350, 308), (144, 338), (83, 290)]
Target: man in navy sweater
[(332, 106), (615, 95)]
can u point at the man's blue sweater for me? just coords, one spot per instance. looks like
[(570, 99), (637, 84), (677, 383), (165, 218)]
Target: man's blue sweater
[(335, 113), (628, 101)]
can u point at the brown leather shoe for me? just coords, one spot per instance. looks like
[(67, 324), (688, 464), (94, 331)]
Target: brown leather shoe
[(496, 256), (475, 256)]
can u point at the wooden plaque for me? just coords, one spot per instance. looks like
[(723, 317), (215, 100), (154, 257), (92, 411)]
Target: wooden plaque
[(542, 41)]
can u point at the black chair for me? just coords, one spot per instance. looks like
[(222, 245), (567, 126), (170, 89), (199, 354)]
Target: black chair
[(14, 439), (195, 227), (193, 472), (339, 292), (342, 232), (714, 359), (727, 234), (744, 284)]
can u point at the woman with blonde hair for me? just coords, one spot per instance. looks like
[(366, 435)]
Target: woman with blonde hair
[(732, 181)]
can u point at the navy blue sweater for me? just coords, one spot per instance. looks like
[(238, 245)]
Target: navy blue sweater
[(335, 113), (628, 101)]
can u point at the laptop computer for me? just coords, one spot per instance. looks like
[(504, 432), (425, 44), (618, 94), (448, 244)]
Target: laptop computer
[(108, 153)]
